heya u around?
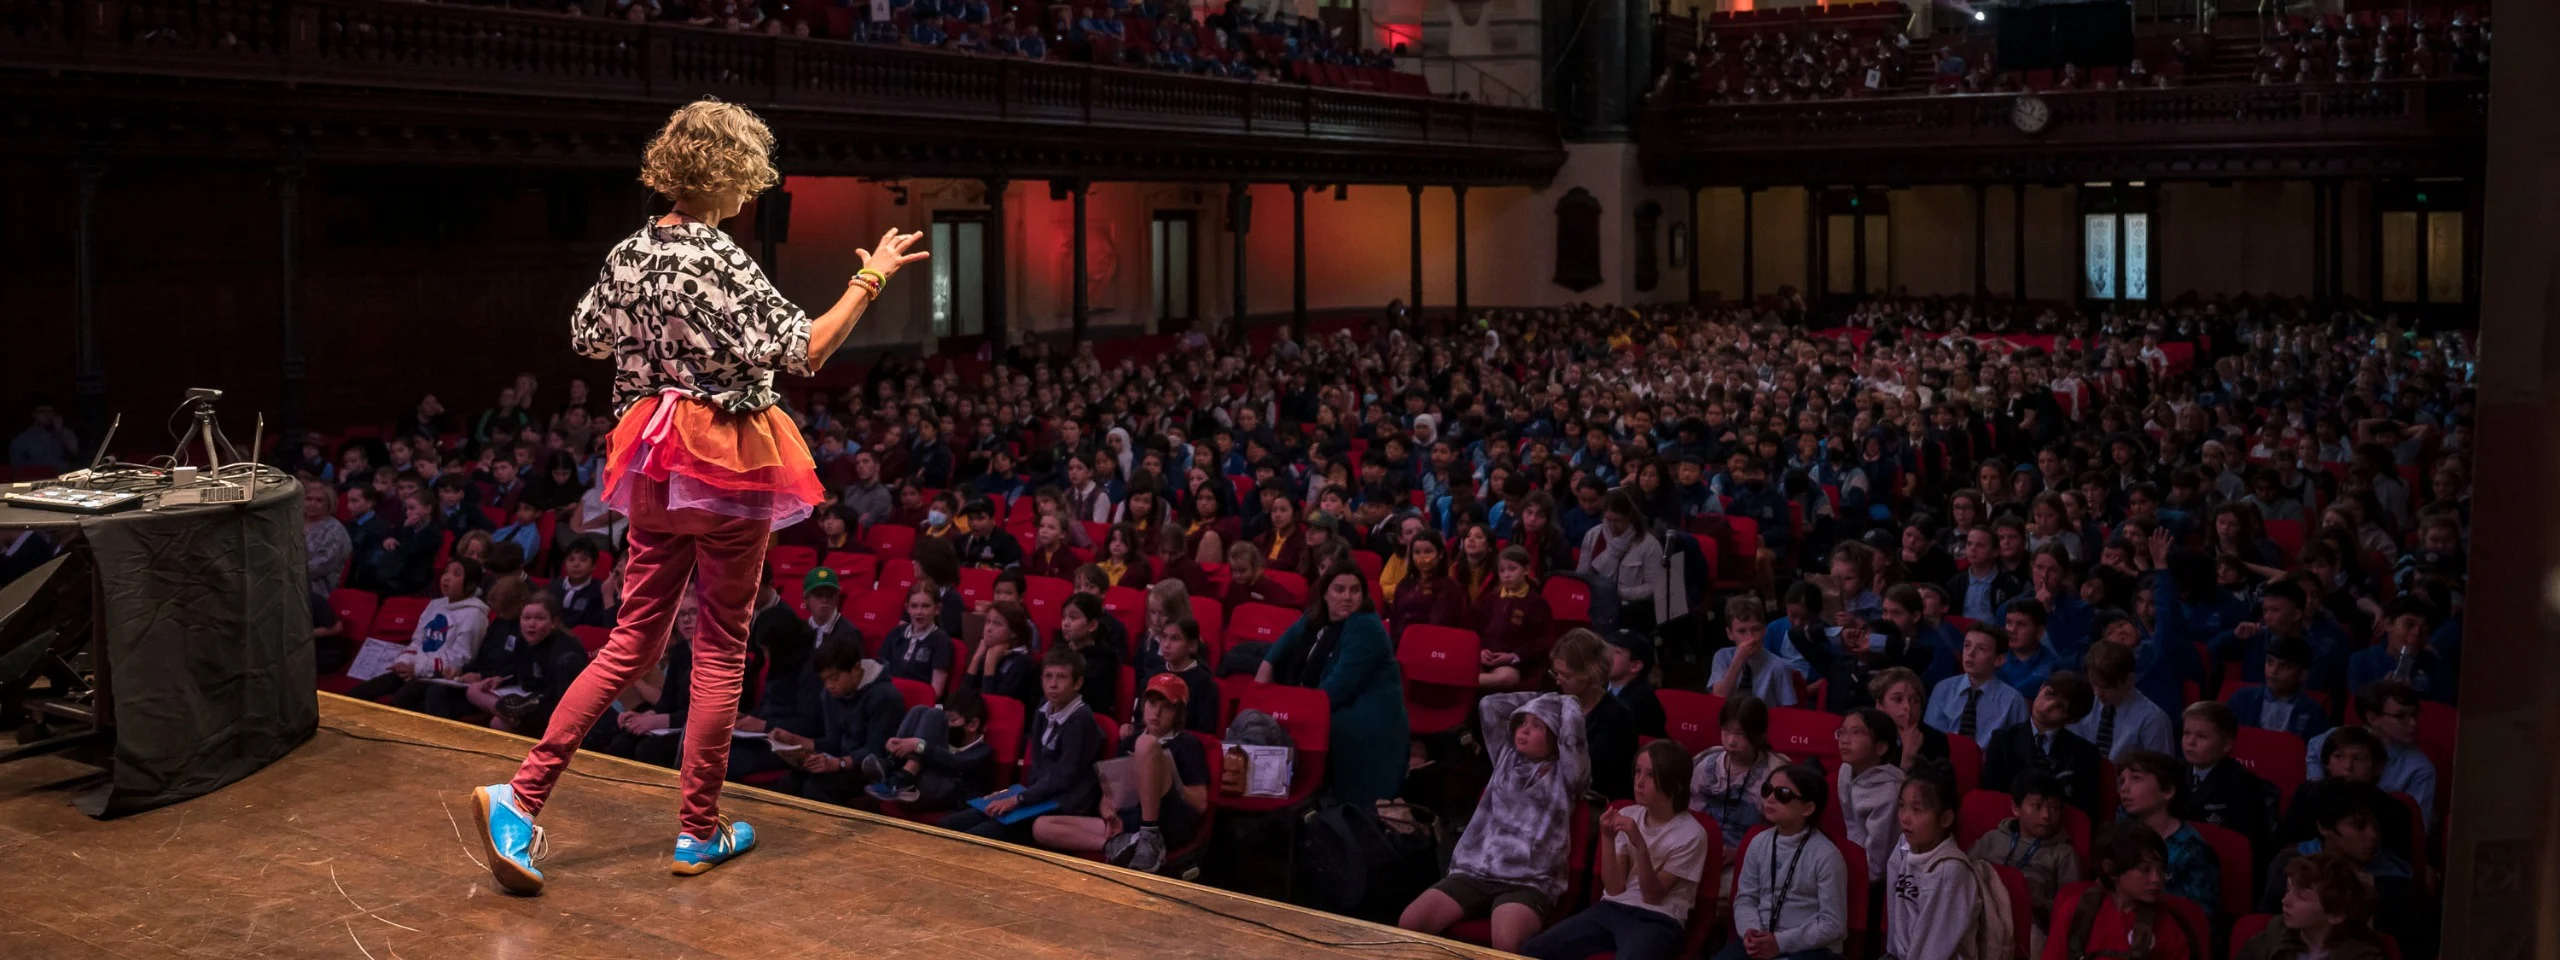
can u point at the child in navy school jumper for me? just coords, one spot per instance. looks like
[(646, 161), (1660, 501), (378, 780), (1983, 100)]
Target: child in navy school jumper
[(939, 757), (582, 599), (1176, 651), (2046, 741), (860, 710), (1060, 744), (1005, 664), (792, 690), (2220, 790), (403, 561), (2280, 703), (552, 661), (917, 649)]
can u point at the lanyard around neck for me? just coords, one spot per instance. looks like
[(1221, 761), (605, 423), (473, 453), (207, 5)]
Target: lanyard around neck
[(1778, 892)]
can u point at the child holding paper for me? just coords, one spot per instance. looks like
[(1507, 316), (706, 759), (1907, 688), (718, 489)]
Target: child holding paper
[(1060, 743)]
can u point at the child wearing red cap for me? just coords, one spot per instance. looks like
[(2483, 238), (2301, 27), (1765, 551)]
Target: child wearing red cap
[(1170, 773)]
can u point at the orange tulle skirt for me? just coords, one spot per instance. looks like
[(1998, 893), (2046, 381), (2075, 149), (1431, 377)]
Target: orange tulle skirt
[(699, 457)]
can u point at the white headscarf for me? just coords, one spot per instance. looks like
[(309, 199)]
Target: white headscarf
[(1128, 451)]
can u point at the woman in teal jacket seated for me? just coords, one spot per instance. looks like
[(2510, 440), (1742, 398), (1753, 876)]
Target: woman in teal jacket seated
[(1341, 647)]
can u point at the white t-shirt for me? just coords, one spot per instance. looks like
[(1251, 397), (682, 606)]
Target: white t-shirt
[(1679, 846)]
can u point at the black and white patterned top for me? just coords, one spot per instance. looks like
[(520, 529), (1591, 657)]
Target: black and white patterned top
[(681, 307)]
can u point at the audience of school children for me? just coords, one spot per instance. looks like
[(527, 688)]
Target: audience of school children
[(2125, 567)]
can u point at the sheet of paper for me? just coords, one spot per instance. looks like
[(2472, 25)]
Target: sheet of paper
[(374, 658), (1268, 770), (1119, 776), (445, 682)]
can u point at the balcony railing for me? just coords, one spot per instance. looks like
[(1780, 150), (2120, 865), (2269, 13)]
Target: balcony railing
[(430, 47), (2360, 112)]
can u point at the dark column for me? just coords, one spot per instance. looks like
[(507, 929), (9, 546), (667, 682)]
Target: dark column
[(2474, 227), (1239, 223), (1858, 241), (1814, 287), (1460, 301), (1750, 284), (2319, 237), (89, 376), (1082, 309), (1981, 246), (1690, 243), (1298, 260), (2373, 248), (1413, 194), (992, 273), (2337, 238), (288, 283), (2504, 819), (2018, 274)]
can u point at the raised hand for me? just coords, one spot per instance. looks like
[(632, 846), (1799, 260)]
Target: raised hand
[(892, 254)]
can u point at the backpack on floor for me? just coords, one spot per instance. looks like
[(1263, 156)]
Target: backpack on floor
[(1995, 919), (1354, 861)]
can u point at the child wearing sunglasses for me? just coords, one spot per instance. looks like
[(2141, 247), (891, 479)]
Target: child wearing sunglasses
[(1510, 863), (1790, 899)]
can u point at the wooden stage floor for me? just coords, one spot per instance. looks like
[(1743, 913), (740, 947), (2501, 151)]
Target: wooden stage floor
[(356, 848)]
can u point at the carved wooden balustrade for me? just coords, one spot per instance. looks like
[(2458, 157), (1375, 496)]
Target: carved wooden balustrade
[(2205, 131), (437, 50)]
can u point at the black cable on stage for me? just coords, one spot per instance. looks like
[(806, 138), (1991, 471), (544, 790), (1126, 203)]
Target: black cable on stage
[(1008, 848)]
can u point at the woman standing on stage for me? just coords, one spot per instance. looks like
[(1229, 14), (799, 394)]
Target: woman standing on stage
[(702, 464)]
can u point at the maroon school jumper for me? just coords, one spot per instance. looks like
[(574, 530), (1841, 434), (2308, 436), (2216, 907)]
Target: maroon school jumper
[(1262, 590), (1437, 601), (1057, 561), (1518, 625)]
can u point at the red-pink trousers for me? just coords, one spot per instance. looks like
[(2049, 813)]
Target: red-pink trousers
[(724, 559)]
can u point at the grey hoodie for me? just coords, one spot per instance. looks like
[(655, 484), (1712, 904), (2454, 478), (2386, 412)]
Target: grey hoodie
[(1929, 904), (1521, 827), (1867, 804)]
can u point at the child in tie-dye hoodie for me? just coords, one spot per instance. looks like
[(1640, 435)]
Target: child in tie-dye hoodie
[(1510, 862)]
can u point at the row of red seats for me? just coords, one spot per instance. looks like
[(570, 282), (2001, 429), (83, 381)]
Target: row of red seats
[(1341, 77)]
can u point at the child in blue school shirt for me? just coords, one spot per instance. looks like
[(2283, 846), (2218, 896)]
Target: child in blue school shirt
[(2280, 703)]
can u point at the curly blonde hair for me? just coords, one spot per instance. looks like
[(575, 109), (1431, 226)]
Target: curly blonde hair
[(709, 148)]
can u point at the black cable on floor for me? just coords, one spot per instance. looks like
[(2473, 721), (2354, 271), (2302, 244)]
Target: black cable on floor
[(920, 829)]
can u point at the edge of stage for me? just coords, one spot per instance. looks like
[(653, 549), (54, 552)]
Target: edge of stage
[(354, 845)]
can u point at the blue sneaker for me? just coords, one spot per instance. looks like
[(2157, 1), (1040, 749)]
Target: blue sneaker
[(511, 839), (883, 791), (694, 857)]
